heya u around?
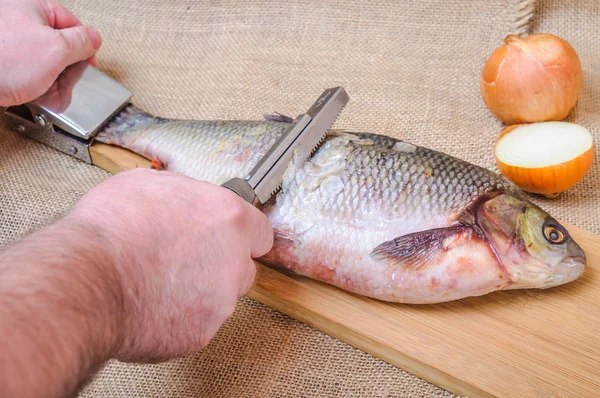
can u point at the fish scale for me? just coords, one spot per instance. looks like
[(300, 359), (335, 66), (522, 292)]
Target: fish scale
[(371, 214), (423, 190)]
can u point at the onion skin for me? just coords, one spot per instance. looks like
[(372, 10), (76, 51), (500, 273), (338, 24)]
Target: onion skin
[(549, 181), (533, 79)]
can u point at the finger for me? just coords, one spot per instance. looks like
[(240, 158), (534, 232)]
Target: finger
[(248, 280), (81, 43), (92, 61), (59, 17), (261, 232)]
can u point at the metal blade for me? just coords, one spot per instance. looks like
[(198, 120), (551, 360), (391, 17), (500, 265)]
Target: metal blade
[(301, 139)]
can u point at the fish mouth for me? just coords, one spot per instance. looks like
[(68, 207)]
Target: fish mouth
[(572, 268), (565, 272)]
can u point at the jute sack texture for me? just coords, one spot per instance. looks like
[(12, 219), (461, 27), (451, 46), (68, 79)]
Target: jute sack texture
[(412, 71)]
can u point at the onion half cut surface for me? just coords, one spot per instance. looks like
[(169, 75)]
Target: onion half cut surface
[(545, 158)]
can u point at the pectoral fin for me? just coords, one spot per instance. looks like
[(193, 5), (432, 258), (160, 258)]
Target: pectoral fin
[(421, 249)]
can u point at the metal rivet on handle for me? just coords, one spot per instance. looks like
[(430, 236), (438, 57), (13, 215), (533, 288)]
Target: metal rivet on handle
[(41, 119)]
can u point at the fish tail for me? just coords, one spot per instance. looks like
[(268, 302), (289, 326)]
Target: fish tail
[(130, 117)]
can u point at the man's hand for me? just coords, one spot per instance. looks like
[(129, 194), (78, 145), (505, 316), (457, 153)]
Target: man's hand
[(146, 267), (38, 40), (184, 252)]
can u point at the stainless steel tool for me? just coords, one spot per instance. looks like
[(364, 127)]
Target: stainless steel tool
[(83, 100), (70, 114), (299, 140)]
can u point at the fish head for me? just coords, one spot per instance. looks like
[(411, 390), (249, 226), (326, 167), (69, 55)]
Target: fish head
[(534, 248)]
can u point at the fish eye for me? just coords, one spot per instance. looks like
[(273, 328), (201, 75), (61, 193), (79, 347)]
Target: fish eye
[(553, 234)]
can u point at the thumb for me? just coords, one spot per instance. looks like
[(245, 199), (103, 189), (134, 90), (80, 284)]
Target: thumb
[(249, 277), (260, 232), (81, 43)]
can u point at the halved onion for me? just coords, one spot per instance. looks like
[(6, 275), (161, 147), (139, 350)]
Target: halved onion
[(546, 157)]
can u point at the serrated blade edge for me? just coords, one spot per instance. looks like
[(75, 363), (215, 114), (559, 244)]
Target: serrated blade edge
[(301, 140)]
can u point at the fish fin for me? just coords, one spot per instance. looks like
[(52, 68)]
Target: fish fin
[(282, 238), (420, 249), (278, 117), (157, 164)]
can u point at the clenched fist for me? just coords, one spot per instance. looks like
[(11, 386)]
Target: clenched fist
[(183, 250), (38, 40)]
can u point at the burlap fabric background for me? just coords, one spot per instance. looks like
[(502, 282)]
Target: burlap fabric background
[(411, 69)]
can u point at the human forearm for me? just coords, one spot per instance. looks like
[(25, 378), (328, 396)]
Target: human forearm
[(146, 267), (61, 306)]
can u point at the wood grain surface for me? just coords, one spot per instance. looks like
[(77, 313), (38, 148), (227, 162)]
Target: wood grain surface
[(534, 343)]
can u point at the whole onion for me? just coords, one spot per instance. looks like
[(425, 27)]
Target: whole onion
[(532, 79)]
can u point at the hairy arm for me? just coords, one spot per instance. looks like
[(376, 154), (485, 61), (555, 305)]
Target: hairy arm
[(61, 306), (145, 268)]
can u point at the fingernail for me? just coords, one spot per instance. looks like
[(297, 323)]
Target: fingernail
[(96, 38)]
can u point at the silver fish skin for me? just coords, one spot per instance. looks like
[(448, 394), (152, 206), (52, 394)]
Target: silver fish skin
[(371, 214)]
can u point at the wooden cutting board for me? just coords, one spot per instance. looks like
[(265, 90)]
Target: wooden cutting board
[(527, 343)]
